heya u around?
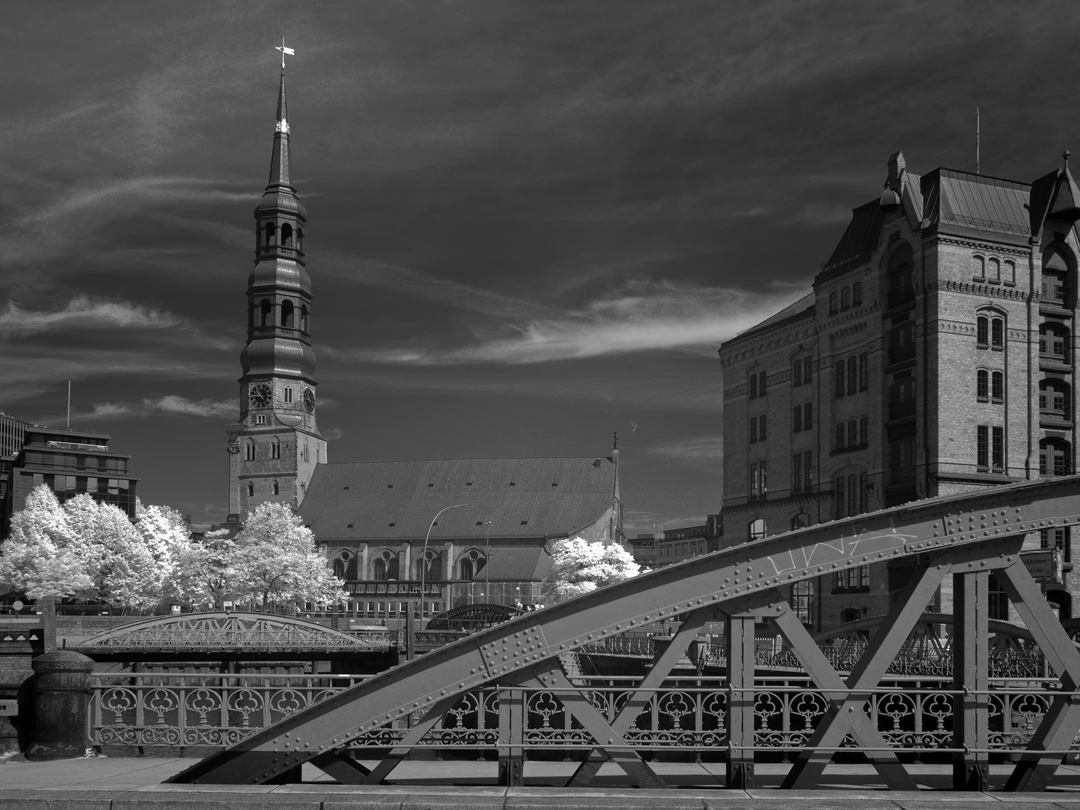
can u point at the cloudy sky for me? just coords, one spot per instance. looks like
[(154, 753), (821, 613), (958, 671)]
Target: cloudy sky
[(531, 223)]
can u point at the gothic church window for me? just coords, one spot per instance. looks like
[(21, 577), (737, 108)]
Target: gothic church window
[(470, 564)]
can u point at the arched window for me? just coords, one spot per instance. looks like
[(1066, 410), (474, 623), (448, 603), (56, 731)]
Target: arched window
[(1055, 277), (840, 388), (852, 374), (997, 386), (853, 433), (978, 268), (275, 449), (856, 293), (470, 563), (982, 385), (841, 436), (845, 298), (1055, 458), (808, 369), (275, 488), (990, 330), (834, 302), (249, 450), (900, 289), (864, 431), (850, 615), (1054, 399), (1008, 273), (993, 271), (269, 231), (286, 235), (344, 565), (303, 318), (287, 314), (287, 394), (385, 566), (1054, 342), (428, 567), (264, 312), (758, 529), (250, 489)]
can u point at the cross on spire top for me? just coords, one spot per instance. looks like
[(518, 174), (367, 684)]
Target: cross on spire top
[(284, 51)]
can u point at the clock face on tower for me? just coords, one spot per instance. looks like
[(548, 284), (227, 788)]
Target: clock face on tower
[(260, 395), (309, 400)]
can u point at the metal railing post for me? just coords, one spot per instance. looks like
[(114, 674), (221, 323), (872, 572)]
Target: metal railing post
[(739, 640)]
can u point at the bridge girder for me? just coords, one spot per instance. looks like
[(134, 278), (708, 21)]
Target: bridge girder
[(962, 535)]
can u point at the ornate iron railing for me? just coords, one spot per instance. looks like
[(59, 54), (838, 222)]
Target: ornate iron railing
[(178, 710), (685, 715)]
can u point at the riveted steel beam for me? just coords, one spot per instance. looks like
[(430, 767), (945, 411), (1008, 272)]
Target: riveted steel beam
[(729, 579)]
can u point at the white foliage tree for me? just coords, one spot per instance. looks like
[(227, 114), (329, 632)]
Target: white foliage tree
[(37, 558), (275, 560), (167, 539), (205, 570), (124, 570), (579, 566)]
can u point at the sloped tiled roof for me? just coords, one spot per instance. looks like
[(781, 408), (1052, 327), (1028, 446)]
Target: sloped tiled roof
[(858, 241), (512, 563), (802, 308), (396, 500), (956, 199)]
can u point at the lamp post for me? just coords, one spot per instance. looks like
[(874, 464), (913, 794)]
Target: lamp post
[(423, 555)]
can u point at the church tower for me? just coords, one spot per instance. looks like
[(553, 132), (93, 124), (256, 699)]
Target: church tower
[(276, 444)]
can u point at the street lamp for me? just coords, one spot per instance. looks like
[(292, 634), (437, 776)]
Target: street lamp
[(423, 554)]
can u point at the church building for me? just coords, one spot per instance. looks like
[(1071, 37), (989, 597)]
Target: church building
[(465, 531)]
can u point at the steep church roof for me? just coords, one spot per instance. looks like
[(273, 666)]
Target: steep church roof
[(521, 497)]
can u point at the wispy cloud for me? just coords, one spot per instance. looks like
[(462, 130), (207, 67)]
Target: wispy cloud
[(645, 316), (170, 405), (697, 448), (83, 312)]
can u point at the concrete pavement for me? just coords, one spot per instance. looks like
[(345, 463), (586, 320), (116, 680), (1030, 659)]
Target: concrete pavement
[(135, 783)]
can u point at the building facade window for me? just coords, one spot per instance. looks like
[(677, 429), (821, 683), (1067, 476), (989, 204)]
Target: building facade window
[(249, 450), (757, 384), (993, 271), (796, 419), (864, 431), (856, 293), (997, 386), (853, 579), (1054, 342), (758, 487), (800, 521), (802, 471), (808, 415), (758, 529), (990, 448), (757, 428), (978, 268), (1055, 457), (1057, 538), (845, 298), (834, 303), (1054, 399), (1055, 278), (841, 437), (982, 385), (808, 370), (840, 387), (852, 374), (803, 601)]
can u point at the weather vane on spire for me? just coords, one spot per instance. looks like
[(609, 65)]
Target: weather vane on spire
[(284, 51)]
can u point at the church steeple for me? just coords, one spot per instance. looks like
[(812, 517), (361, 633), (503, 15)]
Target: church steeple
[(277, 443)]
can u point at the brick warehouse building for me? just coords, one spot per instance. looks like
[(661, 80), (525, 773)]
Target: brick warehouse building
[(935, 355)]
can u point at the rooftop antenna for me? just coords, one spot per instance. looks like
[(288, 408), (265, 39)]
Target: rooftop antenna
[(977, 140), (69, 406)]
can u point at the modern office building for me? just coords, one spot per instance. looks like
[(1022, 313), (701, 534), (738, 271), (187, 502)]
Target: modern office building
[(69, 462), (934, 355)]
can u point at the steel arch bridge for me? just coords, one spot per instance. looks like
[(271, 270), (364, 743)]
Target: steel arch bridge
[(965, 537), (224, 635)]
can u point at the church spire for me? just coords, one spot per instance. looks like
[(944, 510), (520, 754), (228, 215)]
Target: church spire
[(279, 162), (276, 444)]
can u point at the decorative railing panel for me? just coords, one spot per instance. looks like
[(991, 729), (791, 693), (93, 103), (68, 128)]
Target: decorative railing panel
[(687, 715), (187, 710)]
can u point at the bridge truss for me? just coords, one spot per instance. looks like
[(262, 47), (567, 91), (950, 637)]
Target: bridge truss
[(965, 537)]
